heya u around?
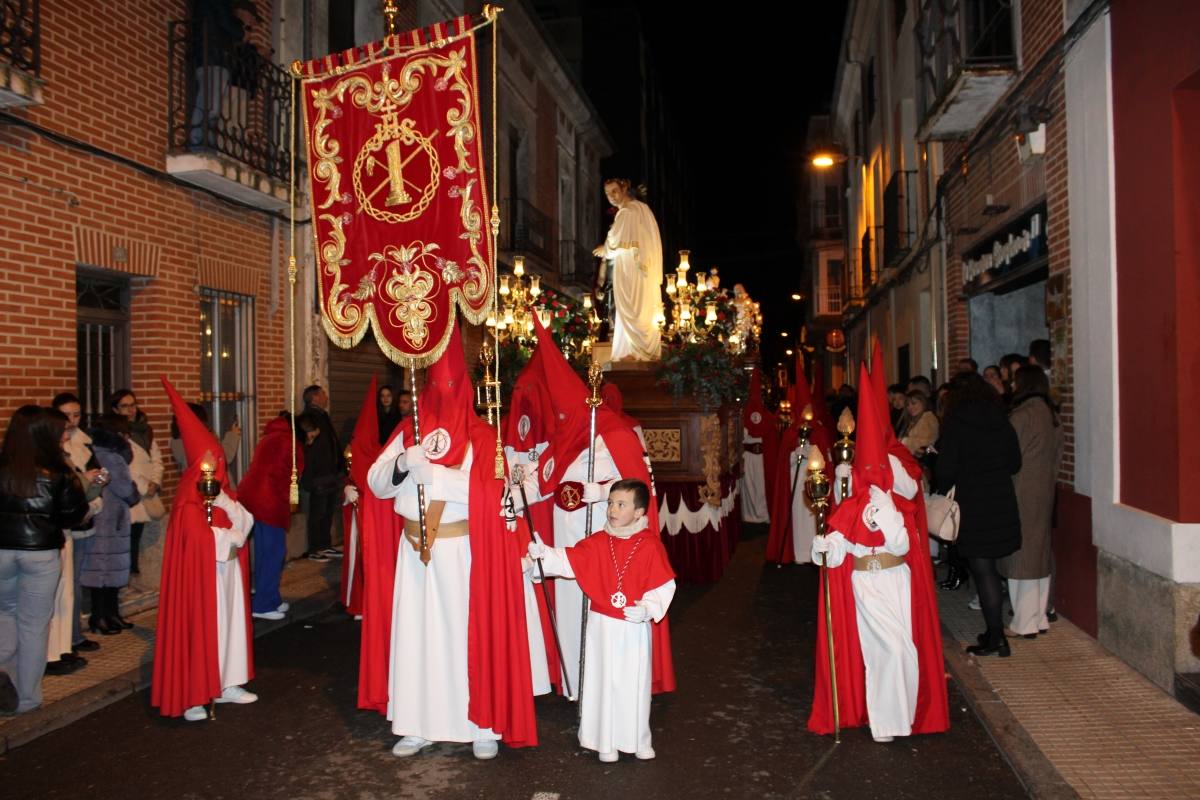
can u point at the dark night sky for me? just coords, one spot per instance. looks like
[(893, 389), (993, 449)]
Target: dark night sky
[(770, 73)]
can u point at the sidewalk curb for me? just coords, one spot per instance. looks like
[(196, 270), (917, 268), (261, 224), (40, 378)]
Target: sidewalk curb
[(24, 729), (1035, 771)]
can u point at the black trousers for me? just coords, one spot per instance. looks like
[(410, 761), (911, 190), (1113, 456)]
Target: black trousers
[(321, 508)]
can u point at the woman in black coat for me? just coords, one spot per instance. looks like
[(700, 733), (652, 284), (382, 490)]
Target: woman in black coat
[(978, 454)]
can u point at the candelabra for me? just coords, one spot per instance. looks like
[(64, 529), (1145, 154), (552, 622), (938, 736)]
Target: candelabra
[(686, 323), (514, 319)]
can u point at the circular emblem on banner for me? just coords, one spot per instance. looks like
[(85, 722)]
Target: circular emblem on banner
[(548, 470), (756, 417), (436, 443), (396, 171), (523, 425), (570, 497)]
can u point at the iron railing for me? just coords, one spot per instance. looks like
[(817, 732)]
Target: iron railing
[(228, 98), (20, 34), (825, 220), (829, 298), (576, 264), (953, 35), (899, 225), (528, 231)]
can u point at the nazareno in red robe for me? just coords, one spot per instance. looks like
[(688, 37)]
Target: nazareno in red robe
[(932, 713), (364, 449), (186, 669)]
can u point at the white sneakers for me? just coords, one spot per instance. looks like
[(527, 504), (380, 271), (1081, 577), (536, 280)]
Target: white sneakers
[(485, 749), (643, 755), (646, 755), (410, 746), (884, 739), (609, 758), (273, 615), (195, 714), (283, 607), (236, 694)]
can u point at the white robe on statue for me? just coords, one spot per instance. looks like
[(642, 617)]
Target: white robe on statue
[(232, 655), (634, 252), (804, 524), (568, 529), (615, 712), (428, 691), (883, 609), (753, 487)]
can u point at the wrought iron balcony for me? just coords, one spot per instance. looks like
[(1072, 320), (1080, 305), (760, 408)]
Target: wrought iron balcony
[(968, 60), (829, 300), (527, 231), (899, 217), (20, 53), (576, 265), (227, 118)]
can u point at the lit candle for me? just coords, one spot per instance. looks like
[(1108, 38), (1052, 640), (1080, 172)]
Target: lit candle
[(535, 285), (508, 316), (519, 266), (587, 299), (710, 313), (503, 284), (681, 277), (701, 286), (816, 462)]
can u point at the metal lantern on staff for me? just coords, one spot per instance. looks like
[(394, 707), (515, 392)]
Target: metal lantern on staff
[(816, 489), (209, 488), (843, 452)]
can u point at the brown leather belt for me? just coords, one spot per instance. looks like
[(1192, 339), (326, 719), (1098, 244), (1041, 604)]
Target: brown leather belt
[(753, 447), (444, 530), (877, 562)]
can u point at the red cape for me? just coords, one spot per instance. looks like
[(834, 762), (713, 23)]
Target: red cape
[(498, 670), (379, 532), (186, 670), (592, 562), (765, 427), (364, 449), (264, 488), (779, 540)]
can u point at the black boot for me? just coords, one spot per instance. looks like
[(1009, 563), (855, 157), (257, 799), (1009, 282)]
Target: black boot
[(98, 621), (992, 643), (956, 578), (114, 609)]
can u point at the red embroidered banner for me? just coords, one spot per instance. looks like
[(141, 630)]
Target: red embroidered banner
[(399, 197)]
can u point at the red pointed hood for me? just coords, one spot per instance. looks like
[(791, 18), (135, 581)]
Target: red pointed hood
[(197, 438), (364, 443), (530, 418), (871, 466), (610, 393), (447, 406), (879, 388), (567, 391), (800, 394)]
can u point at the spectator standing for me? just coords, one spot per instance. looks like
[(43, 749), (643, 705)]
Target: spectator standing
[(229, 443), (146, 469), (324, 470), (919, 428), (1040, 437), (105, 565), (39, 497), (978, 454), (389, 412)]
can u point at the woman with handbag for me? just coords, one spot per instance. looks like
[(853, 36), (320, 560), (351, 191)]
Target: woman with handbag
[(146, 469), (1028, 570), (978, 454)]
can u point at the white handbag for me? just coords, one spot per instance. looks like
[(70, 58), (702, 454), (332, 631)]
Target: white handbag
[(942, 513)]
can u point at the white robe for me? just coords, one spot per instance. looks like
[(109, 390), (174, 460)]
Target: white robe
[(883, 609), (804, 524), (615, 713), (634, 251), (753, 483), (569, 529), (232, 654), (539, 669), (428, 692)]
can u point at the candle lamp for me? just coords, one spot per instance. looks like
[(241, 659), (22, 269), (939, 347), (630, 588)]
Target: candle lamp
[(209, 488), (843, 449)]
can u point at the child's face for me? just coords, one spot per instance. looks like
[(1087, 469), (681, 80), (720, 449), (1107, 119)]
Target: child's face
[(620, 509)]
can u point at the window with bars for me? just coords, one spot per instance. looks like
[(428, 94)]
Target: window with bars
[(227, 376), (102, 340)]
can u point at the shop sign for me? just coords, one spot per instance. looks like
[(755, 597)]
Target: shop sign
[(1016, 245)]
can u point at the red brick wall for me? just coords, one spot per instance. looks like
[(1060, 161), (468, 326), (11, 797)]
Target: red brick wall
[(987, 172), (107, 87)]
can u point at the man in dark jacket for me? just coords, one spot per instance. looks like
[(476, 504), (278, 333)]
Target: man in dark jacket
[(324, 469)]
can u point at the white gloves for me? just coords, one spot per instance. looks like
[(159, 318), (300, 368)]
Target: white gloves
[(843, 471), (523, 478), (881, 512), (593, 493), (350, 493), (820, 545), (636, 612), (537, 549), (225, 503)]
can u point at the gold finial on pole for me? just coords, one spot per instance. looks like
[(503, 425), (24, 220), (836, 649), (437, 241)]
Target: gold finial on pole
[(594, 374), (390, 10), (843, 449)]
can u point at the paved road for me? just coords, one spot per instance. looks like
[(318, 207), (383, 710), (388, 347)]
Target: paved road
[(735, 728)]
